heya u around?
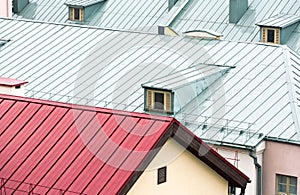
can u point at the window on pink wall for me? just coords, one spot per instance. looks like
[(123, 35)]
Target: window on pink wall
[(286, 185)]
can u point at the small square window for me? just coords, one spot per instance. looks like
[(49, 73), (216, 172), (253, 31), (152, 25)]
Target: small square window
[(162, 175), (286, 185), (76, 14), (271, 35), (18, 86), (158, 101)]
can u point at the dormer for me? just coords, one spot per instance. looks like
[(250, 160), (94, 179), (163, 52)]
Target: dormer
[(158, 99), (206, 34), (168, 95), (278, 29), (12, 86), (80, 10)]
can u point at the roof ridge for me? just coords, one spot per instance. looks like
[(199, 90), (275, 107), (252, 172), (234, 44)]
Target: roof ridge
[(83, 107), (291, 89), (76, 25)]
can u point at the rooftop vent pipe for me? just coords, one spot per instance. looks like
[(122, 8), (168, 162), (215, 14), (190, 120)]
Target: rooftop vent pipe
[(237, 9)]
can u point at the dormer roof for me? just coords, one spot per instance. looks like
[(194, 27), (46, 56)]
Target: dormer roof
[(187, 76), (82, 3), (280, 21)]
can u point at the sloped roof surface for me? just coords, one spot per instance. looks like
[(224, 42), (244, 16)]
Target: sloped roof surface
[(51, 147), (214, 15), (48, 147), (117, 14), (196, 15), (257, 98)]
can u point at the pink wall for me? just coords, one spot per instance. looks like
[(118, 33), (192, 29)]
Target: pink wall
[(5, 8), (279, 158)]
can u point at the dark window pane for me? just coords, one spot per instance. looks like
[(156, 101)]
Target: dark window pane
[(76, 14), (282, 179), (271, 34), (281, 188), (162, 175), (293, 181), (293, 189), (159, 101)]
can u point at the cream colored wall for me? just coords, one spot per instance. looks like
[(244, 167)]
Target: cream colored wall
[(12, 90), (185, 175), (5, 8)]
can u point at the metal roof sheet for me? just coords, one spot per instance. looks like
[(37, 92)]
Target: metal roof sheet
[(58, 147), (185, 77), (280, 21), (83, 3), (87, 65), (187, 15), (116, 14), (50, 147), (214, 15)]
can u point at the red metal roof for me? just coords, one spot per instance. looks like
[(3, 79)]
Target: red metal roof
[(11, 82), (51, 147)]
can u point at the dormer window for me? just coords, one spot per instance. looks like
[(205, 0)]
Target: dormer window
[(76, 14), (271, 35), (80, 11), (158, 100), (278, 29)]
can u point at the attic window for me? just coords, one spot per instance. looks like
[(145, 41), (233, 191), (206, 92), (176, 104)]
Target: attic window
[(271, 35), (160, 101), (278, 29), (76, 14), (18, 86)]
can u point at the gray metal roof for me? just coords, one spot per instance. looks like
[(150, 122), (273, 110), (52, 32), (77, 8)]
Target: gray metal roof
[(83, 3), (116, 14), (280, 21), (214, 15), (85, 65), (187, 15)]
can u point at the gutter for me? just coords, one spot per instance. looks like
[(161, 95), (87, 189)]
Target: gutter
[(259, 172)]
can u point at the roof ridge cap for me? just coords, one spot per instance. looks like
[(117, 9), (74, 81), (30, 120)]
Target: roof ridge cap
[(291, 89), (75, 25)]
